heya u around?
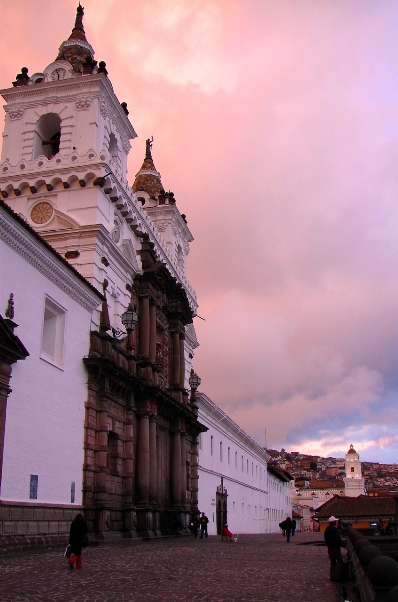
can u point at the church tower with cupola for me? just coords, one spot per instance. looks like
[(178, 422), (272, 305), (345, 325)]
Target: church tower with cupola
[(63, 169), (354, 482)]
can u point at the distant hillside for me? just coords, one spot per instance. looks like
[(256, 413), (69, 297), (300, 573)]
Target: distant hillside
[(380, 479)]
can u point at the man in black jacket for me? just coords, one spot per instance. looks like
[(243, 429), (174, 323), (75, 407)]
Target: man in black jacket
[(334, 543)]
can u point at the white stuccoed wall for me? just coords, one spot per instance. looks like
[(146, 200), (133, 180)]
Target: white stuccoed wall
[(45, 410), (257, 500)]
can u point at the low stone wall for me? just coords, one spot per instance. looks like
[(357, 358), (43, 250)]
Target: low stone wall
[(26, 525), (374, 566)]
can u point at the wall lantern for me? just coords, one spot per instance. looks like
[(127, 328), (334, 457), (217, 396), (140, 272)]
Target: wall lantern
[(129, 319), (194, 380)]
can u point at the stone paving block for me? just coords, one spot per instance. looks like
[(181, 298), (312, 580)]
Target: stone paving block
[(38, 513), (43, 528), (15, 513), (52, 527), (32, 528), (9, 528), (27, 514), (4, 513), (64, 526), (21, 528)]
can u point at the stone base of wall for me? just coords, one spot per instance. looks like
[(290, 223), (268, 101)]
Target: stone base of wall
[(24, 525)]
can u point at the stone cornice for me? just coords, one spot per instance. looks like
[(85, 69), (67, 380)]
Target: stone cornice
[(97, 86), (224, 422), (163, 212), (38, 253)]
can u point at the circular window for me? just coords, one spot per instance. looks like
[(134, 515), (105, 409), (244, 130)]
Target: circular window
[(41, 213)]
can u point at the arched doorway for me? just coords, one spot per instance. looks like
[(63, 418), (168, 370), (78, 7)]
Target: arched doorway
[(221, 508)]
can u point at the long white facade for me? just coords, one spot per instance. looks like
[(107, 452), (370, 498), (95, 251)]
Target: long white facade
[(43, 443), (235, 485)]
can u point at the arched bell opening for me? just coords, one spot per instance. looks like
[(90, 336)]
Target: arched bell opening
[(47, 136)]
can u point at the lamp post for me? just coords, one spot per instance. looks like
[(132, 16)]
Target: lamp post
[(129, 321), (194, 382)]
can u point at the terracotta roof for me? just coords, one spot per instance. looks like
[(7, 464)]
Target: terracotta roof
[(351, 450), (348, 508), (283, 475)]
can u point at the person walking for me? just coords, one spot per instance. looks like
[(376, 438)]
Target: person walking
[(203, 525), (334, 542), (77, 536), (293, 527), (288, 528)]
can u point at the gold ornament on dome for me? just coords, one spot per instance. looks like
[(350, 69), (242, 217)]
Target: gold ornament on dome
[(41, 213)]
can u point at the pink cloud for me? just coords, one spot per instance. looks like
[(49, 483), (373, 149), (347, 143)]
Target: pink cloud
[(275, 124)]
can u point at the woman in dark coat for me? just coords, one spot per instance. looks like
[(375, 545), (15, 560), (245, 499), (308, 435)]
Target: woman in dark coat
[(288, 528), (77, 535)]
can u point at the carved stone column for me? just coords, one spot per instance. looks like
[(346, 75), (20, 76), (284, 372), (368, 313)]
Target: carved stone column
[(194, 477), (183, 470), (101, 455), (161, 476), (153, 461), (176, 358), (152, 332), (182, 362), (128, 462), (176, 469), (144, 327), (143, 460)]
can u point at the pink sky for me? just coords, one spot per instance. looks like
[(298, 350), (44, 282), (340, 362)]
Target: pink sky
[(275, 124)]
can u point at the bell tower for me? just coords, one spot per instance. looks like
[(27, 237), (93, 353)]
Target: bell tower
[(353, 481), (64, 169)]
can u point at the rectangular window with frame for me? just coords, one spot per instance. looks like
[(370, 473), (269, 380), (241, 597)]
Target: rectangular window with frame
[(53, 333)]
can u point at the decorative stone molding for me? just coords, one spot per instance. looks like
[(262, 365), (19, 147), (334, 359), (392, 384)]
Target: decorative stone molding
[(125, 144), (83, 102), (15, 113), (103, 108)]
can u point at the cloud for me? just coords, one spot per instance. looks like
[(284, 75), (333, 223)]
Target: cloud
[(185, 51), (276, 126)]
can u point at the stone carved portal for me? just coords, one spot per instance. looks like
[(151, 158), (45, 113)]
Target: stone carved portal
[(141, 429)]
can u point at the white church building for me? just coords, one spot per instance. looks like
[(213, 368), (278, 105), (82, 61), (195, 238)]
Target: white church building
[(96, 404)]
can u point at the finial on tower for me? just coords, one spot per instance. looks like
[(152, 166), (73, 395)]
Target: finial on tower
[(76, 50), (148, 152), (78, 30)]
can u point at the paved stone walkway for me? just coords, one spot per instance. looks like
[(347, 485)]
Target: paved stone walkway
[(257, 568)]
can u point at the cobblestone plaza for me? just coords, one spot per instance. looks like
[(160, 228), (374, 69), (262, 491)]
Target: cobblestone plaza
[(257, 568)]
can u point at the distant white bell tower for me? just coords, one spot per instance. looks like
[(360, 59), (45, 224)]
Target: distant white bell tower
[(353, 481)]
